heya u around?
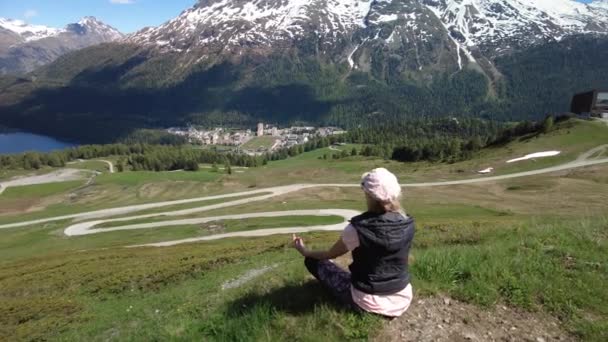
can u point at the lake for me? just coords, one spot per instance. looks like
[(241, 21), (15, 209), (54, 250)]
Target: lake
[(21, 142)]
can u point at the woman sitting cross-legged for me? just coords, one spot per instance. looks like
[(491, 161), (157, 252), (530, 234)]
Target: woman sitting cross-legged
[(380, 241)]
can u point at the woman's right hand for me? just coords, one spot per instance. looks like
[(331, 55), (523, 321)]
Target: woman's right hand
[(298, 244)]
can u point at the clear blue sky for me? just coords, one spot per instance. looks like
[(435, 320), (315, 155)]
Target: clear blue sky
[(126, 15)]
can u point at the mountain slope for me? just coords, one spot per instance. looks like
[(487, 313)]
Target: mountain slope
[(25, 47), (482, 28), (351, 62)]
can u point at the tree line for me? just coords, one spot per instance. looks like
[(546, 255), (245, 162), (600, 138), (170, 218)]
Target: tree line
[(439, 139), (147, 157), (435, 140), (431, 139)]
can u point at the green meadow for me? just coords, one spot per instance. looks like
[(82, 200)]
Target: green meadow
[(536, 244)]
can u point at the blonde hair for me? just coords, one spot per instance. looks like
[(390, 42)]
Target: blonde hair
[(381, 207)]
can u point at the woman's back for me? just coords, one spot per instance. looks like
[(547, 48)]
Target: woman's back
[(380, 262)]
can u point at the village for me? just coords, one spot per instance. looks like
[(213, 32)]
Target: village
[(266, 138)]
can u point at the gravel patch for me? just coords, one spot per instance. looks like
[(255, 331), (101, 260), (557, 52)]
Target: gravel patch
[(445, 319)]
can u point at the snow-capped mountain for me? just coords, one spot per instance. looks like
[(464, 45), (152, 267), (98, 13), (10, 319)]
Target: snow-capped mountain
[(24, 47), (93, 27), (264, 22), (337, 62), (26, 31), (497, 26), (491, 25)]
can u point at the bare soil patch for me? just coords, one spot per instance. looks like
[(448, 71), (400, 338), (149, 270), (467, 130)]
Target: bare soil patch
[(445, 319), (436, 319), (17, 206)]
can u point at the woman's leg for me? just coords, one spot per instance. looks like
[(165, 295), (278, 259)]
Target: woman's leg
[(332, 277)]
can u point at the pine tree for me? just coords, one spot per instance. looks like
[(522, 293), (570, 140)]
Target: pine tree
[(548, 124)]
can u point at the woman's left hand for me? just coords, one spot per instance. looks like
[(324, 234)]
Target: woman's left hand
[(298, 244)]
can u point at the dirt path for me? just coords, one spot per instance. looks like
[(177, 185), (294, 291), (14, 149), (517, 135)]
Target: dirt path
[(272, 192), (64, 175), (86, 228), (346, 214), (445, 319), (110, 165), (591, 152)]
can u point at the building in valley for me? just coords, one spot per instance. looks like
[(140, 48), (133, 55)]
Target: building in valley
[(593, 103)]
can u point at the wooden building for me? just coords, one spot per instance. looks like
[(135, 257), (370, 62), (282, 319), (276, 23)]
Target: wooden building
[(592, 103)]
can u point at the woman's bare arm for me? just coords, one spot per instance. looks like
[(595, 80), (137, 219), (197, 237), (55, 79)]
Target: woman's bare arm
[(338, 249)]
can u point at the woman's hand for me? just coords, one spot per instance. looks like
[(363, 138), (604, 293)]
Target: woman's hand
[(298, 244)]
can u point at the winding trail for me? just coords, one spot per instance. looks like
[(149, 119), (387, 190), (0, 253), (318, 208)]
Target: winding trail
[(89, 222), (344, 213), (63, 175), (109, 163)]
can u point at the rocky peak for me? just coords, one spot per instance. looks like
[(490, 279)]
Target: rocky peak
[(93, 26), (494, 26), (24, 47)]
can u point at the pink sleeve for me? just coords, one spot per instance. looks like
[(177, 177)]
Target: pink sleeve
[(350, 237)]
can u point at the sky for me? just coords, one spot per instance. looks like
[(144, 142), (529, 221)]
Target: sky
[(125, 15)]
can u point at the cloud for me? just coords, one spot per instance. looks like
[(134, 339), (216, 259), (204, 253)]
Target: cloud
[(30, 13), (122, 2)]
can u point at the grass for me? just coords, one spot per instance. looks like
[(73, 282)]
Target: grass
[(142, 177), (173, 295), (111, 190), (554, 266), (8, 174), (39, 190), (48, 239), (279, 222), (229, 226), (16, 200), (94, 165), (264, 142), (572, 138), (238, 225), (179, 207), (176, 292), (536, 243)]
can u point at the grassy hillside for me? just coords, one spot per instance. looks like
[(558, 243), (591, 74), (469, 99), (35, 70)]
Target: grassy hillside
[(534, 245), (108, 91), (573, 138), (183, 292)]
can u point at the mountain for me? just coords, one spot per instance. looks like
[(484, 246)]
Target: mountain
[(347, 62), (24, 47), (475, 28)]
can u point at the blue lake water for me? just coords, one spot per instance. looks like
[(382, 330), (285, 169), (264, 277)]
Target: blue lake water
[(21, 142)]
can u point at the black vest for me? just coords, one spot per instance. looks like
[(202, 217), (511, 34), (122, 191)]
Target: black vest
[(380, 263)]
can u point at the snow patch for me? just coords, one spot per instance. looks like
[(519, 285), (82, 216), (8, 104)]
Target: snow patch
[(27, 31), (535, 155), (351, 62), (386, 18)]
